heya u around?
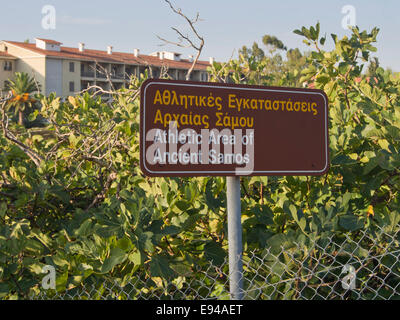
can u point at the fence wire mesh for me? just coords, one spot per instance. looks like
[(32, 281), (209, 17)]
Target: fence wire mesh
[(358, 265)]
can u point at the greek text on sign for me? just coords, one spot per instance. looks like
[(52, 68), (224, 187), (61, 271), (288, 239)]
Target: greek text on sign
[(213, 129)]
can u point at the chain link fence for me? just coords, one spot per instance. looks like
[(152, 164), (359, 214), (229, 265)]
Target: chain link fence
[(358, 265)]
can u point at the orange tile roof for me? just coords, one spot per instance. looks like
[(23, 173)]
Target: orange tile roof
[(6, 55), (115, 57)]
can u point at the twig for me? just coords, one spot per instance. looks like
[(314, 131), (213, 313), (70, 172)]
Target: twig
[(99, 196), (35, 157), (186, 38)]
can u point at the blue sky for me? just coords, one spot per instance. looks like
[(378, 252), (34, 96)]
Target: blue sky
[(226, 24)]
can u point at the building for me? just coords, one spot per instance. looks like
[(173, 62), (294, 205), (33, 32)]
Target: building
[(7, 67), (67, 70)]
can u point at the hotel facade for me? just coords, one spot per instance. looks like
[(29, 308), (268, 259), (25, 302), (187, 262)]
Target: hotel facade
[(67, 70)]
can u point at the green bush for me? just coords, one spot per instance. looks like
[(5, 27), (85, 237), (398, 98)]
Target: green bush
[(72, 194)]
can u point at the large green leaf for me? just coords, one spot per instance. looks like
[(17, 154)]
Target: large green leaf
[(116, 257), (351, 222), (160, 267), (214, 253)]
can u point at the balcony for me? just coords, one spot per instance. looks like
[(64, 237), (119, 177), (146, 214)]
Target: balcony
[(101, 75), (118, 76), (87, 74)]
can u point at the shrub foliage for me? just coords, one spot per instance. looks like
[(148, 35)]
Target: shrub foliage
[(73, 196)]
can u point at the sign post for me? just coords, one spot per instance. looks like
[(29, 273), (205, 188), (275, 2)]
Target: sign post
[(234, 237), (192, 129)]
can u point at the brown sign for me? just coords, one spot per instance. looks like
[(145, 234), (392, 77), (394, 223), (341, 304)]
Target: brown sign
[(213, 129)]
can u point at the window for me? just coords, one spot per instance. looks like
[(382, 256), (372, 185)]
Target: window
[(7, 66), (71, 67), (71, 86)]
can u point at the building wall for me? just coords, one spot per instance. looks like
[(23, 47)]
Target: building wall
[(5, 75), (29, 62), (54, 76), (68, 76), (195, 75), (36, 68)]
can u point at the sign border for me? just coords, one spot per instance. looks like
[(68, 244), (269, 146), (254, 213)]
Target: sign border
[(149, 82)]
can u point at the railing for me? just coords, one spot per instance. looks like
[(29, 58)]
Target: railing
[(87, 74), (101, 75), (119, 76)]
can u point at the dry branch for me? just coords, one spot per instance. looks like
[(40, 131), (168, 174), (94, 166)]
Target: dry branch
[(35, 157), (190, 43)]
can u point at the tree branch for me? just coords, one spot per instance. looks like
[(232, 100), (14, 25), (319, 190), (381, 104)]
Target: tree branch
[(182, 37), (35, 157)]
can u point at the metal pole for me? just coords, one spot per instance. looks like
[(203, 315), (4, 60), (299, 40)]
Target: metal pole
[(234, 237)]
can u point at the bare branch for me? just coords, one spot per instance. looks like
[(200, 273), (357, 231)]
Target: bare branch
[(218, 75), (178, 44), (106, 73), (6, 98), (191, 44), (190, 22), (186, 38), (110, 179), (35, 157)]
